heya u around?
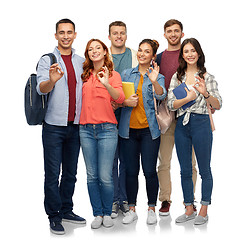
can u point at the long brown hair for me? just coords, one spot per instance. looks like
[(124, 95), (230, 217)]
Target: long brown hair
[(182, 63), (88, 64)]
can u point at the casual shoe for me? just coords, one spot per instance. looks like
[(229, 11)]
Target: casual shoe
[(184, 218), (124, 207), (97, 222), (130, 217), (115, 209), (107, 221), (73, 218), (164, 210), (199, 220), (57, 228), (152, 217)]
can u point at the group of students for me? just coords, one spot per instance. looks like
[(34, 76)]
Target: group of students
[(87, 108)]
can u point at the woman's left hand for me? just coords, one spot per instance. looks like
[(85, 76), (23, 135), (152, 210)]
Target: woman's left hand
[(103, 76), (200, 86), (154, 72)]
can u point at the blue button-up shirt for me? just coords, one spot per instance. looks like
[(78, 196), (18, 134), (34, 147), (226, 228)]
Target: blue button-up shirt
[(133, 75), (58, 102)]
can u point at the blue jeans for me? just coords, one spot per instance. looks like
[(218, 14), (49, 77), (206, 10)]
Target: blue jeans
[(196, 133), (140, 142), (61, 148), (99, 142), (119, 177)]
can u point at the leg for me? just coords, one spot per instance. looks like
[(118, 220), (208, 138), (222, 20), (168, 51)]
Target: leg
[(149, 153), (107, 143), (90, 154), (183, 144), (71, 150), (53, 138), (202, 142), (165, 156), (130, 151)]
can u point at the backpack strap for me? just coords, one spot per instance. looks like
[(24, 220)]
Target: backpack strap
[(159, 58), (52, 57)]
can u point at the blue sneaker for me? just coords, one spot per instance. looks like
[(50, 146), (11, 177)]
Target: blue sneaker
[(73, 218), (56, 228)]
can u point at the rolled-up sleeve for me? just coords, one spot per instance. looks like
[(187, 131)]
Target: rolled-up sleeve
[(212, 87), (117, 84), (161, 81), (42, 72), (171, 97)]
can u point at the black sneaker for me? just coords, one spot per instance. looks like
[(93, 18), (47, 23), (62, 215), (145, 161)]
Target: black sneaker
[(56, 228), (124, 207), (115, 208), (73, 218)]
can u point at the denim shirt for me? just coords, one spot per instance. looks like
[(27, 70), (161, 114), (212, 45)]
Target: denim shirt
[(133, 75), (58, 102)]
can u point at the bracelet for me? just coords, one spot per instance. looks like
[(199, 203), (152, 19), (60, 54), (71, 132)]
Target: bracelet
[(207, 96)]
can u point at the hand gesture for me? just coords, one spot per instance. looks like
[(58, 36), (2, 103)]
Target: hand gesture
[(103, 76), (154, 72), (200, 86), (132, 101), (55, 73), (191, 95)]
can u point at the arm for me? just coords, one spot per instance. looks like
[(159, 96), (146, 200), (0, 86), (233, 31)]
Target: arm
[(191, 95), (115, 88), (55, 73), (153, 76), (201, 87)]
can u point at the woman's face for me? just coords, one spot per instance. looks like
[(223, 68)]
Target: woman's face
[(145, 54), (190, 54), (96, 52)]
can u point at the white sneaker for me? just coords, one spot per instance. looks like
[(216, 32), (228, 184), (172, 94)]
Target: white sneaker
[(97, 222), (107, 221), (152, 217), (130, 217)]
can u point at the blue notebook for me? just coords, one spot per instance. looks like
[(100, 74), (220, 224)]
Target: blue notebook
[(180, 93)]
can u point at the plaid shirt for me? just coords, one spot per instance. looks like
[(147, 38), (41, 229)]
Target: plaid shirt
[(200, 107)]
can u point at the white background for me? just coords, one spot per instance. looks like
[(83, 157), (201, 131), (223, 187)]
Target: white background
[(27, 32)]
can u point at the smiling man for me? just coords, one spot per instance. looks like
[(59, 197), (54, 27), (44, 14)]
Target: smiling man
[(60, 134), (123, 58), (168, 63)]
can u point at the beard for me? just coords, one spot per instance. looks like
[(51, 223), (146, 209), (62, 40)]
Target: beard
[(174, 43)]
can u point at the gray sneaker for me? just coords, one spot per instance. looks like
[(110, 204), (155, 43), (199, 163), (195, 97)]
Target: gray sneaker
[(107, 221), (97, 222), (199, 220), (184, 218)]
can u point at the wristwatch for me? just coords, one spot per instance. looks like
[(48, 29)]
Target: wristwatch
[(207, 96)]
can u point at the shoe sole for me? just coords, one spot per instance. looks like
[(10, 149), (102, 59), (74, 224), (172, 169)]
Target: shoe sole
[(57, 232), (72, 221), (134, 219), (164, 213), (185, 220)]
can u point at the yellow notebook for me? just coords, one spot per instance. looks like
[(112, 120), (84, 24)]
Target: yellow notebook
[(128, 89)]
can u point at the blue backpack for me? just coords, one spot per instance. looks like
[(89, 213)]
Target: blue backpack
[(35, 104)]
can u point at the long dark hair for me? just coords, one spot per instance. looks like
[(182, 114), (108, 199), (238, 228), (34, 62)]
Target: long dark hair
[(182, 63)]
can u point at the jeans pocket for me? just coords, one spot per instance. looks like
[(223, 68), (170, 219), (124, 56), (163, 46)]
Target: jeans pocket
[(110, 127)]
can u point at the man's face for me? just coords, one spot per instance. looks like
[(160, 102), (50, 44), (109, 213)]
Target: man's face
[(65, 35), (118, 36), (173, 34)]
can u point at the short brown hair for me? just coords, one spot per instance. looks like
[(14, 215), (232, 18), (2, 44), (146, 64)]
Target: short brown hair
[(65, 20), (171, 22), (117, 23)]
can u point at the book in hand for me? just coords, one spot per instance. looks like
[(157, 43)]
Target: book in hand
[(180, 93), (128, 89)]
